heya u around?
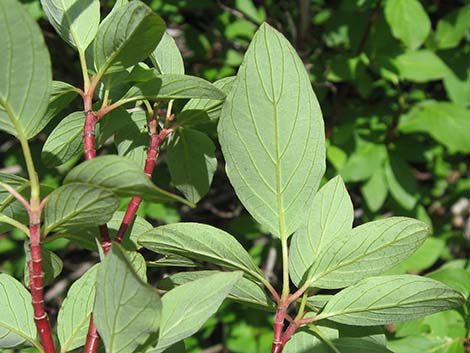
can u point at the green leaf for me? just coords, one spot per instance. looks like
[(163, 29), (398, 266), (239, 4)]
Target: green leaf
[(75, 311), (401, 181), (368, 250), (62, 94), (51, 265), (132, 141), (375, 190), (244, 291), (127, 36), (420, 343), (18, 183), (421, 66), (76, 21), (120, 175), (192, 163), (16, 314), (173, 86), (271, 133), (78, 204), (456, 278), (390, 299), (172, 261), (451, 28), (409, 21), (25, 70), (124, 302), (457, 80), (330, 218), (447, 123), (365, 161), (65, 141), (200, 110), (167, 57), (201, 242), (187, 307)]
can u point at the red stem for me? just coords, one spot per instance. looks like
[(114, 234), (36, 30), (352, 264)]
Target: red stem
[(152, 152), (278, 327), (36, 283), (92, 339)]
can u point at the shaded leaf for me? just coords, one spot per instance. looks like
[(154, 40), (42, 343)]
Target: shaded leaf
[(167, 57), (51, 265), (375, 190), (401, 181)]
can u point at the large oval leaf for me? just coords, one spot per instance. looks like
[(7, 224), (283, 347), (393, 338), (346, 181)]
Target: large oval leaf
[(272, 136), (201, 242), (330, 217), (16, 313), (121, 175), (124, 303), (25, 69), (76, 21), (127, 36), (367, 250), (388, 299), (76, 204)]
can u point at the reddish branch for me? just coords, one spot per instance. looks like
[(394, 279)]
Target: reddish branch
[(36, 281), (156, 140)]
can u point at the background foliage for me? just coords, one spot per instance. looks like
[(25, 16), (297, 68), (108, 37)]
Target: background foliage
[(393, 81)]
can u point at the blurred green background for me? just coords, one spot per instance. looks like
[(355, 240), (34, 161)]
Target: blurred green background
[(393, 80)]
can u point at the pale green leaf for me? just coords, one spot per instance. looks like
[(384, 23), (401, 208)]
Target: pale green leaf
[(76, 21), (375, 190), (120, 175), (330, 217), (401, 181), (409, 21), (421, 66), (124, 303), (367, 250), (16, 313), (448, 123), (167, 57), (457, 278), (272, 136), (390, 299), (457, 80), (192, 163), (25, 70), (74, 314), (173, 86), (244, 291), (187, 307), (78, 204), (127, 36), (201, 242)]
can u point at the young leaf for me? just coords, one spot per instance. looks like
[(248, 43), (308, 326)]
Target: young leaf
[(75, 311), (77, 204), (127, 310), (65, 141), (187, 307), (271, 132), (201, 242), (51, 265), (25, 70), (16, 313), (120, 175), (389, 299), (76, 21), (127, 36), (173, 86), (167, 57), (192, 163), (244, 291), (408, 20), (367, 250), (448, 123), (330, 218)]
